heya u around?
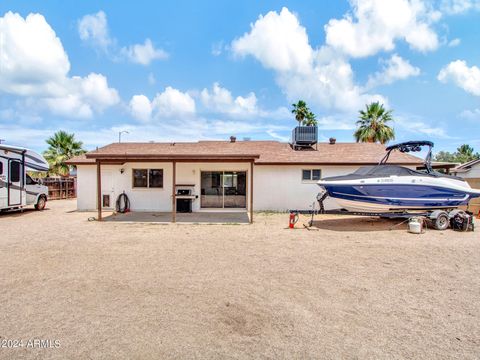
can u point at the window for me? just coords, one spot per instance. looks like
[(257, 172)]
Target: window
[(1, 168), (155, 178), (30, 181), (311, 174), (148, 178), (14, 171)]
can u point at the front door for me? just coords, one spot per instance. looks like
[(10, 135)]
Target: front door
[(223, 189), (15, 182)]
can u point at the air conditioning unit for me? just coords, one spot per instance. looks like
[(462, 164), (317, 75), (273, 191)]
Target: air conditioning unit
[(304, 136)]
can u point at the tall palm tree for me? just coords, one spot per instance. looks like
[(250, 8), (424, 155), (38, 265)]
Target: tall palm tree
[(310, 119), (372, 126), (301, 110), (62, 147)]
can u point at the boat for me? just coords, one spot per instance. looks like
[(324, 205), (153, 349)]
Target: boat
[(386, 188)]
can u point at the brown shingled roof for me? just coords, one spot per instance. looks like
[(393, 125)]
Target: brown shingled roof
[(262, 152)]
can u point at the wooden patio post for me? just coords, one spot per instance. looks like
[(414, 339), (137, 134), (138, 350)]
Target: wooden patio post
[(251, 191), (99, 191), (174, 180)]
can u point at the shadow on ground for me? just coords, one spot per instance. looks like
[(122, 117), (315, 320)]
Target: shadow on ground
[(364, 224)]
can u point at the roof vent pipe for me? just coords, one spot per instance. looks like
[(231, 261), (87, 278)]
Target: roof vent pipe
[(332, 141), (233, 139)]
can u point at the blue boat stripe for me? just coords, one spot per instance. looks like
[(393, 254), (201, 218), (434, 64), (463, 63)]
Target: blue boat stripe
[(393, 198)]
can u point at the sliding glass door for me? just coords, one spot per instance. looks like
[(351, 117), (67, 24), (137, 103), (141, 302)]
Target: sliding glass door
[(223, 189)]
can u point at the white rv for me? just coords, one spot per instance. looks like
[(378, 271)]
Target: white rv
[(17, 188)]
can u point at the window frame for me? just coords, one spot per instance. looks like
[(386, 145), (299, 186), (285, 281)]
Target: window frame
[(148, 171), (311, 179)]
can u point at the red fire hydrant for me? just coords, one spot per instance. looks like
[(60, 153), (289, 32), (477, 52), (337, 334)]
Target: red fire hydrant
[(292, 220)]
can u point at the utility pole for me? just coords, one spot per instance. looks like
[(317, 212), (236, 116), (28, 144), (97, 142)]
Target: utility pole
[(120, 135)]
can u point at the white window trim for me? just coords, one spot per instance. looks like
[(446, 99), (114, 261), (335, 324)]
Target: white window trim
[(311, 173)]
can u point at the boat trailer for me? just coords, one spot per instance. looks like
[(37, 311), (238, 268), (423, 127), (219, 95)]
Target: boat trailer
[(440, 219)]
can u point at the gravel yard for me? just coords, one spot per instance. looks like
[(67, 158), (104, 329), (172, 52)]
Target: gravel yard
[(349, 288)]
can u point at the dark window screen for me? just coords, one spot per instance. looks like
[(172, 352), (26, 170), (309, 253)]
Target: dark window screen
[(140, 178), (1, 168), (306, 175), (156, 178), (14, 171)]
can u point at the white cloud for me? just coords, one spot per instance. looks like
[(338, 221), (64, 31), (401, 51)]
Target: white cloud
[(280, 43), (93, 28), (470, 114), (454, 42), (415, 125), (35, 66), (171, 103), (453, 7), (141, 107), (467, 78), (145, 53), (375, 25), (393, 69), (222, 101), (217, 48)]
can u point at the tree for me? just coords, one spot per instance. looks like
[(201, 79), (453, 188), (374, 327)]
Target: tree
[(464, 153), (62, 147), (303, 114), (372, 126)]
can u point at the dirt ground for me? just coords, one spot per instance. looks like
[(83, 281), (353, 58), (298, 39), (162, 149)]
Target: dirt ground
[(349, 288)]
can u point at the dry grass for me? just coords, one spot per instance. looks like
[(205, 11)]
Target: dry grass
[(349, 289)]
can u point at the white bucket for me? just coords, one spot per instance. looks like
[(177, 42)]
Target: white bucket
[(415, 225)]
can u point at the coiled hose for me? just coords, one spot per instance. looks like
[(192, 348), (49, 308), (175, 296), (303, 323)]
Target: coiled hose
[(123, 203)]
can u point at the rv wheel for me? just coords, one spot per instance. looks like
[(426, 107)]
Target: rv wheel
[(40, 205)]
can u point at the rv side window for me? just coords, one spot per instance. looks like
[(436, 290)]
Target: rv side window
[(14, 171), (1, 168)]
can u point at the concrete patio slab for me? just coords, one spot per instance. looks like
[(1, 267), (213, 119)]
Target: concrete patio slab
[(196, 217)]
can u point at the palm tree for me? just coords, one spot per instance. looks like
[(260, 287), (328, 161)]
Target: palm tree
[(301, 110), (465, 153), (372, 126), (62, 147), (310, 120)]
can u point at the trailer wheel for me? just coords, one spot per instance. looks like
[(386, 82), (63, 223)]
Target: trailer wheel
[(41, 203), (441, 222)]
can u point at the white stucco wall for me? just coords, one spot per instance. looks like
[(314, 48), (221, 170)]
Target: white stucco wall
[(281, 188)]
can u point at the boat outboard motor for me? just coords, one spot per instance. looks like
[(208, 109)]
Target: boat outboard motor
[(462, 221)]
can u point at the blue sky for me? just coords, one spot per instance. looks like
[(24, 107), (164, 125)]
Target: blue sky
[(189, 70)]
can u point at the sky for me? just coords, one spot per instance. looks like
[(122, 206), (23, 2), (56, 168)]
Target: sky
[(190, 70)]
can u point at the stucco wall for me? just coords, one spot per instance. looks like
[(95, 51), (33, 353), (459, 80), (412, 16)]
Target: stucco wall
[(281, 188)]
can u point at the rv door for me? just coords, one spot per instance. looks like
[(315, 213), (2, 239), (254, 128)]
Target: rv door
[(3, 183), (15, 182)]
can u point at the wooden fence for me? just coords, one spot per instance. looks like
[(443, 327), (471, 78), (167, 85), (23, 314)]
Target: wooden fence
[(61, 188)]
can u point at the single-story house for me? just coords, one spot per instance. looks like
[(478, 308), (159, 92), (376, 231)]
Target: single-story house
[(470, 171), (218, 175)]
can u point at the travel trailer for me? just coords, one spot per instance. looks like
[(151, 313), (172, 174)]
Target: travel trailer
[(17, 188)]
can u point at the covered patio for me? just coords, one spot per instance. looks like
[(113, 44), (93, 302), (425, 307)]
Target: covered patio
[(187, 218)]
